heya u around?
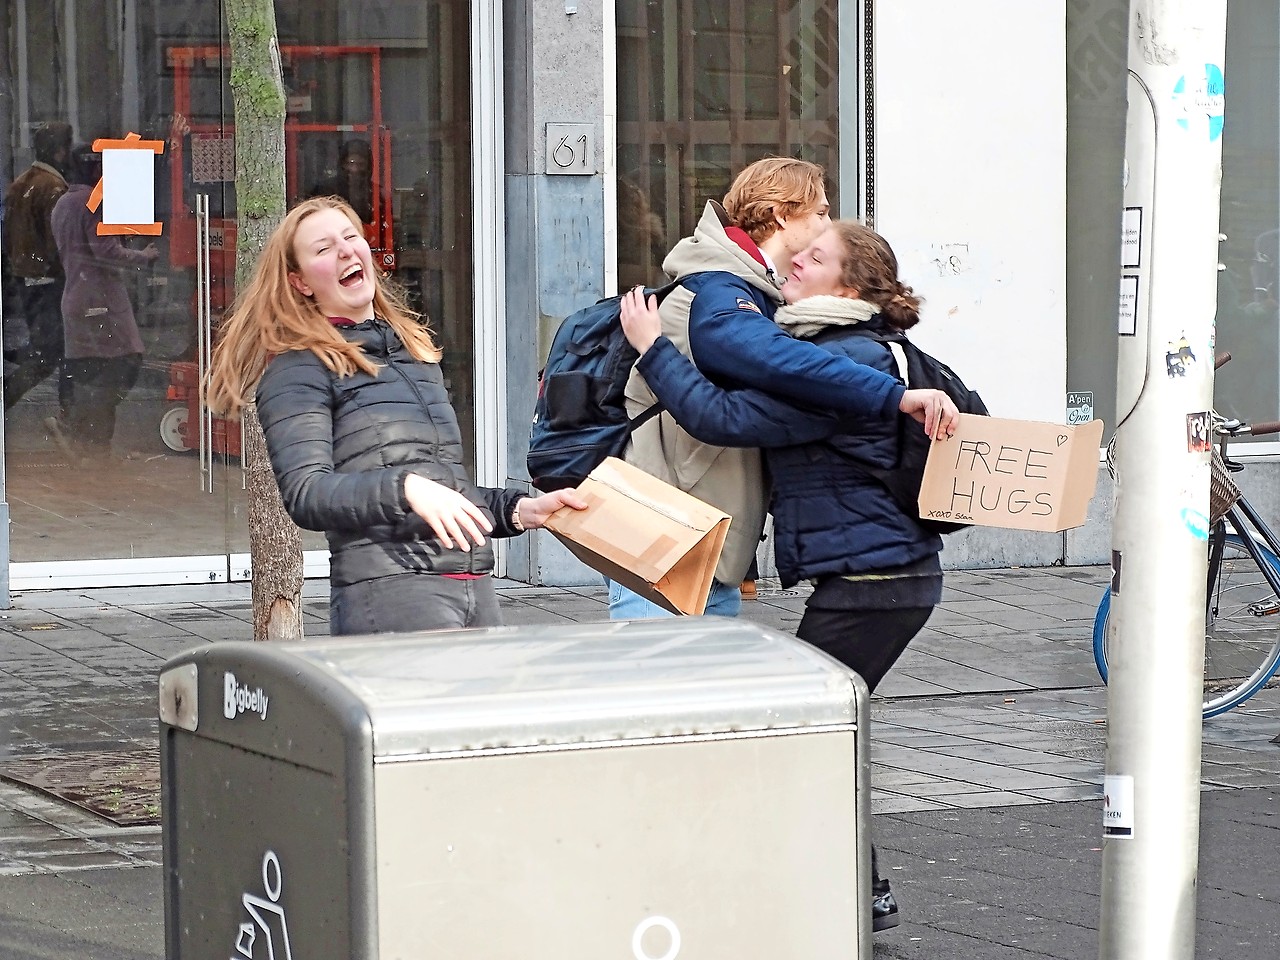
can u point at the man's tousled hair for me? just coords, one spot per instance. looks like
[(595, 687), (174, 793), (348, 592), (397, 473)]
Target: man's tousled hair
[(771, 188)]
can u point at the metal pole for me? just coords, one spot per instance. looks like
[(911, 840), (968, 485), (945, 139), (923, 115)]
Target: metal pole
[(1151, 813)]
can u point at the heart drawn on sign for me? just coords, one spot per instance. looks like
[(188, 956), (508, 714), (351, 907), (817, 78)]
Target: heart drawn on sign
[(1062, 438)]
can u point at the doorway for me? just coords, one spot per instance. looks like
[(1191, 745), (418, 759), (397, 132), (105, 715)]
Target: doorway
[(379, 111)]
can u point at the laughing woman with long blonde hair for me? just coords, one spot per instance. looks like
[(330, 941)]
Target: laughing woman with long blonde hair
[(363, 440)]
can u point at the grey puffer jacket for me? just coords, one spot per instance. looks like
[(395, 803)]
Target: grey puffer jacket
[(341, 448)]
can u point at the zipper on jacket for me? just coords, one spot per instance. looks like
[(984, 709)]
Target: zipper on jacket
[(383, 327)]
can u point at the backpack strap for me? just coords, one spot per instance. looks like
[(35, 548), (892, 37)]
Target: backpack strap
[(649, 413), (892, 340), (662, 291)]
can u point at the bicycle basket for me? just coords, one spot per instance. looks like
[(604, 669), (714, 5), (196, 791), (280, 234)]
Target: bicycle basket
[(1223, 492)]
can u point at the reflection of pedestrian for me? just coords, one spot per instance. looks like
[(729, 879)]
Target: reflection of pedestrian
[(33, 261), (103, 348), (641, 240), (1266, 255), (352, 181)]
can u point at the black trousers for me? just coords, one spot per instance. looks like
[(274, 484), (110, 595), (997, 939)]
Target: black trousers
[(42, 308), (100, 384), (868, 642)]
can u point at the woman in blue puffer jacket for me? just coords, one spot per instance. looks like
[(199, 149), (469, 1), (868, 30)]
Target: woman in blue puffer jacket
[(875, 569)]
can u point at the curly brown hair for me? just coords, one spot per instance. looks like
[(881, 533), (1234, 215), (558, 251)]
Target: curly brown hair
[(270, 317), (869, 266)]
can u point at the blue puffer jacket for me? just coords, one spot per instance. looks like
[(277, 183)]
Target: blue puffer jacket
[(830, 517)]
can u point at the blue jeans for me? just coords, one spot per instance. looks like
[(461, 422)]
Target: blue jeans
[(722, 601)]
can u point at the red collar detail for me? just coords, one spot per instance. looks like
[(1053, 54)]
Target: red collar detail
[(740, 237), (342, 321)]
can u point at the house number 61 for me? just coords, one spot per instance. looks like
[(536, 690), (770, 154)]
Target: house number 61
[(567, 156), (570, 149)]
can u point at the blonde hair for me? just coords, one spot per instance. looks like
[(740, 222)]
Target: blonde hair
[(771, 188), (271, 317), (869, 266)]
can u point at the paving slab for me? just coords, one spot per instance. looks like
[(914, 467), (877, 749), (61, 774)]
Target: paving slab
[(988, 737)]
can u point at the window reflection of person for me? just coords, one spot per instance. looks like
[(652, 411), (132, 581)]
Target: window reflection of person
[(1265, 271), (103, 348), (1246, 327), (641, 240), (352, 181), (33, 264)]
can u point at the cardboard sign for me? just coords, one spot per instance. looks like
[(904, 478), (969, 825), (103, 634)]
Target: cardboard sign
[(652, 538), (1018, 474)]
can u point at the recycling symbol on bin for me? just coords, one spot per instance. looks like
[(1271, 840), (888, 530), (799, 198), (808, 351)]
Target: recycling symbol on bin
[(265, 936)]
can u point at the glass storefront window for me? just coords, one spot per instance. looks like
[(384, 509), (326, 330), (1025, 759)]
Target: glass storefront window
[(703, 90), (379, 111), (1248, 319), (1248, 312)]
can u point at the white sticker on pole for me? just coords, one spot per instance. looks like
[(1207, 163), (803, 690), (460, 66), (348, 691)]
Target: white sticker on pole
[(1117, 807), (1131, 239)]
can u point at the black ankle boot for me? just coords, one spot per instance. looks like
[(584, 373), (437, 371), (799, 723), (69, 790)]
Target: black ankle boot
[(884, 909)]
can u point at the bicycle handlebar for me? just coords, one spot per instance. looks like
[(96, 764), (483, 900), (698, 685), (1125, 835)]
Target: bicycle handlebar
[(1234, 427)]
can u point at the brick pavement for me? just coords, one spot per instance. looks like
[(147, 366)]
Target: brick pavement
[(983, 734)]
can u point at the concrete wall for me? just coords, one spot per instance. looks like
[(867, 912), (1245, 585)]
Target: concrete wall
[(558, 70), (970, 163)]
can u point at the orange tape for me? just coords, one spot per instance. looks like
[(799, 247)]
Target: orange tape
[(130, 229), (657, 550), (131, 142)]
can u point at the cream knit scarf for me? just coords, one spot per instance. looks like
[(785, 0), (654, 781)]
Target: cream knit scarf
[(811, 315)]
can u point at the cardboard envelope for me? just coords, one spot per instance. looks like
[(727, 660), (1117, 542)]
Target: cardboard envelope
[(1017, 474), (652, 538)]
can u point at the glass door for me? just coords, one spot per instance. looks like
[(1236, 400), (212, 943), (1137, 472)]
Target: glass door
[(115, 474)]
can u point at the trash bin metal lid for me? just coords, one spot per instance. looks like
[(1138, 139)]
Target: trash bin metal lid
[(509, 688)]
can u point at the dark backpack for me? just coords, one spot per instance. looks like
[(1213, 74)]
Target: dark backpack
[(924, 372), (581, 414)]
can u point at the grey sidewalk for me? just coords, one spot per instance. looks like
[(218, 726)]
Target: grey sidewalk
[(992, 719)]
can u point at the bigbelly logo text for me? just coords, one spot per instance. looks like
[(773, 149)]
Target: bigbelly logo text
[(238, 698)]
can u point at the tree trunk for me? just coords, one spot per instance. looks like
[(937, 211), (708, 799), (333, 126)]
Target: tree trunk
[(257, 91)]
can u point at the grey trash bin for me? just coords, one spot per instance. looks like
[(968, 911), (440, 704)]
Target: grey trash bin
[(685, 789)]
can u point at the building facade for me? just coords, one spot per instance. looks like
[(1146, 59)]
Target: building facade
[(516, 159)]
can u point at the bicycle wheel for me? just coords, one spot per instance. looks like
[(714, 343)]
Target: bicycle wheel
[(1242, 630)]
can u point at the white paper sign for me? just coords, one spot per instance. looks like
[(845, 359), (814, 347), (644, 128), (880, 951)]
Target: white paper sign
[(1128, 306), (128, 186), (1131, 239)]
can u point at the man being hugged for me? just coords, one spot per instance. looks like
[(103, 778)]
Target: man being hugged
[(721, 317)]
